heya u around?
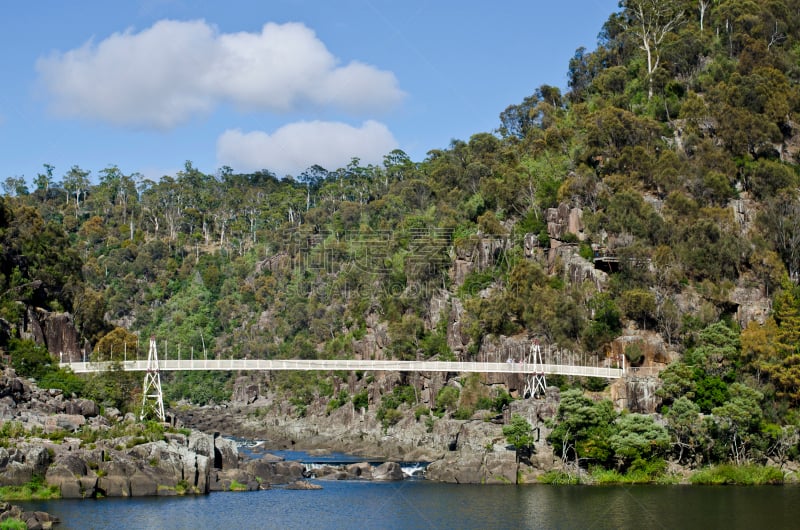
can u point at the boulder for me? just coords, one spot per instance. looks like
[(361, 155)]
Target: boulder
[(388, 471), (226, 454), (275, 472), (303, 485), (225, 478), (360, 470), (66, 422), (202, 444), (32, 520), (16, 474), (334, 475), (82, 407)]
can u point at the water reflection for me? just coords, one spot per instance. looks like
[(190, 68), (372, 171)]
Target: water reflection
[(421, 504)]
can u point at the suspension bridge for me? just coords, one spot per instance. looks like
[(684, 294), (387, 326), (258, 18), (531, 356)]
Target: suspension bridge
[(531, 367)]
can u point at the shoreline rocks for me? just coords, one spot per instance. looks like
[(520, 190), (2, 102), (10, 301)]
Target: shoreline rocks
[(33, 520), (459, 451)]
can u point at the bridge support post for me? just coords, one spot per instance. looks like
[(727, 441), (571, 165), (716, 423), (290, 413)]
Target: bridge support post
[(535, 382), (152, 397)]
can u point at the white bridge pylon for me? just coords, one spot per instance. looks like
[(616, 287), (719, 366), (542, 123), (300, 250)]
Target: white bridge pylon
[(535, 382), (152, 397)]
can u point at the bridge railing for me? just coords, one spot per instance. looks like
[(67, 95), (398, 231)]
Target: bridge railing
[(352, 364)]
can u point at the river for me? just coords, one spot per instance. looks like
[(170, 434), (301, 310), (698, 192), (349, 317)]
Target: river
[(422, 504)]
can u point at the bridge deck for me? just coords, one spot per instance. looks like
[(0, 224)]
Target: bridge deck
[(351, 364)]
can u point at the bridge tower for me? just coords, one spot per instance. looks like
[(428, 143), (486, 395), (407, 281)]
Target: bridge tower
[(152, 397), (535, 382)]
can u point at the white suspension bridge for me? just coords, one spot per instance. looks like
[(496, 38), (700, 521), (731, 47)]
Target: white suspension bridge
[(531, 367)]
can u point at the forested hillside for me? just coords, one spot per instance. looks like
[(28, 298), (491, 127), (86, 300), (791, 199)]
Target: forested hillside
[(657, 195)]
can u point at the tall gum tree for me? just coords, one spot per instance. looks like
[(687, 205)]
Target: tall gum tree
[(651, 21)]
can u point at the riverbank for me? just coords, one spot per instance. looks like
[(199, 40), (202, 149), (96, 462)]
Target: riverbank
[(469, 451), (69, 446)]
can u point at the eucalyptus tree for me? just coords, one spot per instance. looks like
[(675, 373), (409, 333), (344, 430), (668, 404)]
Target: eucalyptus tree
[(651, 22), (15, 186), (780, 222), (76, 182), (43, 181)]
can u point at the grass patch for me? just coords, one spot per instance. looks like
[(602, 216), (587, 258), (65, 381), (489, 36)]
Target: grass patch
[(238, 486), (747, 475), (13, 523), (640, 472), (36, 489), (559, 478), (182, 488)]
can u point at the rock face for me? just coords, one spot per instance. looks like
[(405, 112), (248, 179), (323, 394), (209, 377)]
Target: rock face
[(752, 305), (476, 253), (564, 220), (577, 269), (18, 465), (474, 468), (56, 332), (636, 393)]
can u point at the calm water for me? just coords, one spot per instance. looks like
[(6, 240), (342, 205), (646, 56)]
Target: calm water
[(421, 504)]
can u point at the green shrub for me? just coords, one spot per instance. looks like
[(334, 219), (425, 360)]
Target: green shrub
[(596, 384), (447, 398), (29, 359), (634, 352), (182, 487), (361, 400), (63, 379), (476, 281), (12, 429), (519, 433), (586, 251), (388, 416), (484, 403), (463, 413), (570, 238), (337, 402), (429, 421)]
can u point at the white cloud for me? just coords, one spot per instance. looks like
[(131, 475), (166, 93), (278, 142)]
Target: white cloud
[(297, 146), (165, 74)]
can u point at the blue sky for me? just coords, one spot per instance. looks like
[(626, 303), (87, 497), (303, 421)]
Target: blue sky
[(279, 85)]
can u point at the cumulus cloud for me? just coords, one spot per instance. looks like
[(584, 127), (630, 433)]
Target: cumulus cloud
[(297, 146), (166, 74)]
